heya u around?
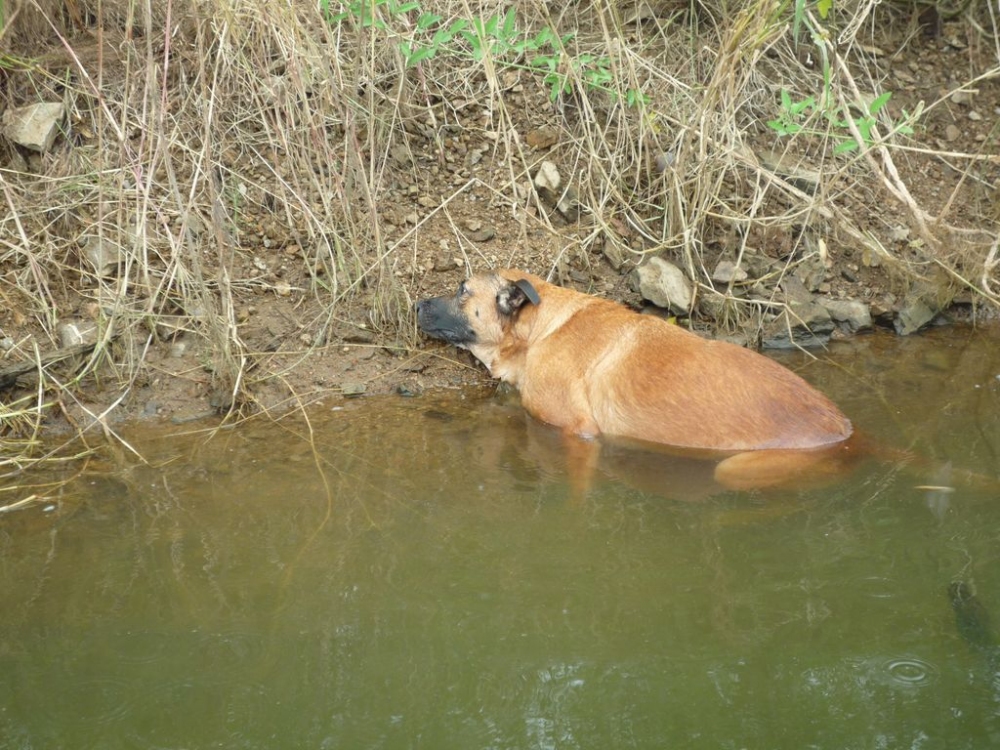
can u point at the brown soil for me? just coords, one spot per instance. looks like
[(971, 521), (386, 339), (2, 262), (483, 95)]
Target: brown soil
[(304, 353)]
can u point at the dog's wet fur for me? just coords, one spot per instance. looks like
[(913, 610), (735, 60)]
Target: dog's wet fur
[(592, 367)]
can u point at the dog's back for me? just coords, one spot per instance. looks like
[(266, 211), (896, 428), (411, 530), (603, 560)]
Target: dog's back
[(600, 368)]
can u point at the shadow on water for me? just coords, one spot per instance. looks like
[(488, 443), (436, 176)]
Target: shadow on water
[(418, 574)]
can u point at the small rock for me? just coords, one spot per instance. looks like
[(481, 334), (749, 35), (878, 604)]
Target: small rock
[(282, 288), (614, 255), (179, 348), (854, 314), (6, 343), (961, 97), (360, 336), (426, 201), (795, 290), (352, 390), (409, 390), (899, 233), (444, 263), (664, 161), (727, 271), (101, 255), (802, 325), (542, 138), (34, 127), (547, 177), (565, 200), (790, 167), (74, 332), (483, 235), (952, 133), (914, 313), (975, 116), (663, 284)]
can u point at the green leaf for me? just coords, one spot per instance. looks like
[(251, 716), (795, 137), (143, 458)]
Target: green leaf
[(797, 18), (424, 53), (508, 24), (427, 20), (845, 147), (799, 107), (786, 100), (543, 37), (879, 102), (824, 7)]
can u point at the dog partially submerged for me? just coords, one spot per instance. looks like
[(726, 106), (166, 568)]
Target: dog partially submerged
[(592, 367)]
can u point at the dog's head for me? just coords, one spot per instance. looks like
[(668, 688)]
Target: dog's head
[(480, 312)]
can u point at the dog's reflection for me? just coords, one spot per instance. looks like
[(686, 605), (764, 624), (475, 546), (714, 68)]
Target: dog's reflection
[(501, 437)]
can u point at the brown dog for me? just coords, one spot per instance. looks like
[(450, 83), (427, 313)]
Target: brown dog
[(593, 367)]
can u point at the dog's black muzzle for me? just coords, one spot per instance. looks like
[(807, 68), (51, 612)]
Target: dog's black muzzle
[(442, 318)]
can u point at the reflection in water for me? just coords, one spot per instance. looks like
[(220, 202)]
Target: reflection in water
[(420, 575)]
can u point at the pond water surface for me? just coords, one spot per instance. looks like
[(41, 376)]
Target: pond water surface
[(416, 573)]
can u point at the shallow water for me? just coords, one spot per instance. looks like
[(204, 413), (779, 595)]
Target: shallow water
[(419, 575)]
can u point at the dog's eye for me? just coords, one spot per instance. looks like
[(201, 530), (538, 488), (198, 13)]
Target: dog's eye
[(463, 290)]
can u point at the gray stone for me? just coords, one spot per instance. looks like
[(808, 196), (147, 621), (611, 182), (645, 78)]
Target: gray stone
[(802, 324), (547, 177), (663, 284), (36, 126), (101, 255), (74, 332), (914, 313), (550, 188), (727, 271), (795, 290), (851, 312)]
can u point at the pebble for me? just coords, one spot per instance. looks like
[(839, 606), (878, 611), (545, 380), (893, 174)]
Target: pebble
[(483, 235), (351, 390), (542, 138), (727, 271), (76, 332), (952, 133)]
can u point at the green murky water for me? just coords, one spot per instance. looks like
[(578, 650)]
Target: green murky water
[(424, 579)]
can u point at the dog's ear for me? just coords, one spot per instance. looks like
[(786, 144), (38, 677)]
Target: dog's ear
[(513, 296)]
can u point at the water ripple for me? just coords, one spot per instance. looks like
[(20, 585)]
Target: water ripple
[(910, 672)]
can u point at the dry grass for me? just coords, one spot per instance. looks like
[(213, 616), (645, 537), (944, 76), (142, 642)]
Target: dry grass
[(197, 127)]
